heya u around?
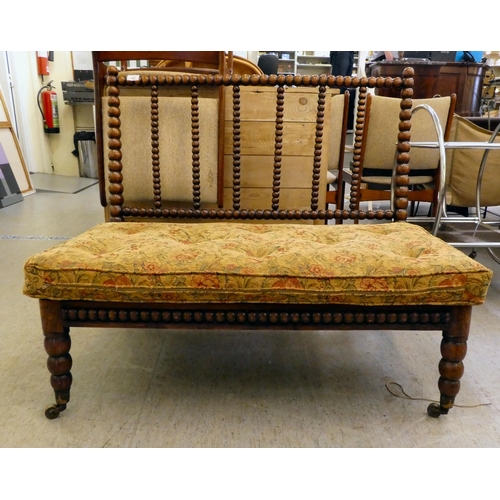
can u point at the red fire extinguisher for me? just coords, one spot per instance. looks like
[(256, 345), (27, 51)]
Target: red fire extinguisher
[(49, 109)]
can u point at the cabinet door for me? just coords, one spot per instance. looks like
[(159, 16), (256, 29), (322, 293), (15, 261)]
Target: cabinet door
[(465, 80)]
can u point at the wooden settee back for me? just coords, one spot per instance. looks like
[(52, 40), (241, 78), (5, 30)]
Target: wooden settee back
[(155, 82)]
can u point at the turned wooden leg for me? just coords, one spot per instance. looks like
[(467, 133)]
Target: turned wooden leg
[(451, 368), (57, 345)]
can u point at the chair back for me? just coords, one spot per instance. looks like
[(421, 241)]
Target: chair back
[(463, 167), (381, 130), (138, 121), (173, 171), (173, 113), (338, 129), (268, 63), (206, 61), (337, 137), (243, 66)]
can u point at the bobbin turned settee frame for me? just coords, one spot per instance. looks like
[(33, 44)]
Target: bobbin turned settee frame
[(58, 316)]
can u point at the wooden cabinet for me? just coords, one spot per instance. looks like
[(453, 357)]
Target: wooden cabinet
[(466, 80), (258, 112), (431, 78), (425, 79)]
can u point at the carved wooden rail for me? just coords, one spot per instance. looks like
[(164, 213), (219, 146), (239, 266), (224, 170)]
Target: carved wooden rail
[(262, 315)]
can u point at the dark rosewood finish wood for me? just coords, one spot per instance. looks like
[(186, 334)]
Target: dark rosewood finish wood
[(239, 316), (57, 345), (58, 317), (466, 80), (453, 350), (435, 78), (426, 76), (119, 210)]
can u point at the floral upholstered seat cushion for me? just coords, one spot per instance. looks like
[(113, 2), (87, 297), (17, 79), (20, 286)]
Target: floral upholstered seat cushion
[(376, 264)]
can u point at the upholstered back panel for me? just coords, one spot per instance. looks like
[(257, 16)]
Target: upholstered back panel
[(337, 130), (174, 116), (463, 167), (382, 133)]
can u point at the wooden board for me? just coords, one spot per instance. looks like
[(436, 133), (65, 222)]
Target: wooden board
[(257, 147), (12, 150), (257, 171)]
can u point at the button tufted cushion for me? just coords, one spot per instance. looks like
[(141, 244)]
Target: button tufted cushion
[(375, 264)]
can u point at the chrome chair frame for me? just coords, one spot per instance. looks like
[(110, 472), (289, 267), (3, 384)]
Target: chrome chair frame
[(441, 215)]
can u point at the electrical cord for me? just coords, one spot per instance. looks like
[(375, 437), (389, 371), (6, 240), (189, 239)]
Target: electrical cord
[(407, 396)]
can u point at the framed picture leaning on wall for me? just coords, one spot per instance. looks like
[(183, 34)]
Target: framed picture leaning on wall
[(14, 176)]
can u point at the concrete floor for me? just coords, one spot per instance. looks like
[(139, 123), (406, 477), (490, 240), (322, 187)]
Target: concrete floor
[(188, 389)]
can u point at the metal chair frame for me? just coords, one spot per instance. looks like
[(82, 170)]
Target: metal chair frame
[(478, 233)]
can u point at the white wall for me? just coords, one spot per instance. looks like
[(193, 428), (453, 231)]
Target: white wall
[(61, 145), (35, 149), (45, 153), (50, 153), (5, 87)]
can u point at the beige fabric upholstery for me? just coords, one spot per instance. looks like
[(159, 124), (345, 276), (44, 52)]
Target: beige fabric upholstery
[(383, 131), (336, 150), (463, 167), (331, 176), (175, 155), (386, 180), (336, 131)]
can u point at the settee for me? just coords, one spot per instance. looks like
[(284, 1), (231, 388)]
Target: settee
[(162, 263)]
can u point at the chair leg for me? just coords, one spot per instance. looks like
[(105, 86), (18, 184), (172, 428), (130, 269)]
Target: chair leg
[(414, 206), (340, 200), (451, 368), (57, 345)]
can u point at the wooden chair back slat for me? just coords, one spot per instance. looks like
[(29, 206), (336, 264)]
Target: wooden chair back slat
[(236, 148)]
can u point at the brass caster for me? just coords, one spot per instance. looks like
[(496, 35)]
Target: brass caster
[(434, 410), (53, 411)]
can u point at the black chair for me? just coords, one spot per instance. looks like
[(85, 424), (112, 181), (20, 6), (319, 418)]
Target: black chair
[(268, 63)]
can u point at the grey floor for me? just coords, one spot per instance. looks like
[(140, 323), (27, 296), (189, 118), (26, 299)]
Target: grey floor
[(61, 183), (239, 389)]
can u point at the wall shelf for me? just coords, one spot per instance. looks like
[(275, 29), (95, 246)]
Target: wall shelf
[(313, 63), (297, 62)]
